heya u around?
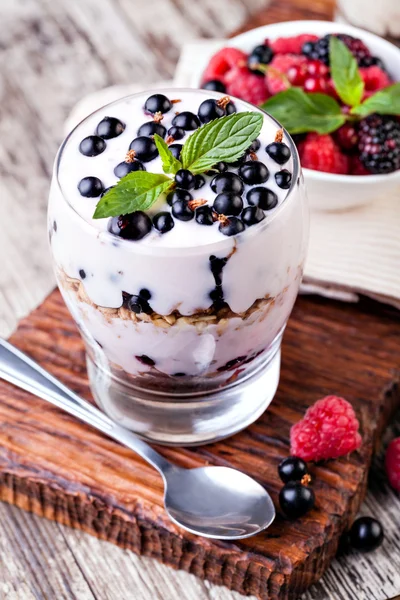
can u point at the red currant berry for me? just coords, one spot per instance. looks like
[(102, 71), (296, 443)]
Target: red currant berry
[(347, 137), (312, 84), (297, 74), (316, 68)]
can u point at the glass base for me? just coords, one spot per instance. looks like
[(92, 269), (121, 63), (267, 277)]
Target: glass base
[(191, 419)]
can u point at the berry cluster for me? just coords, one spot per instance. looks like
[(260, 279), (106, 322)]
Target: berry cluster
[(329, 430), (371, 145), (228, 207)]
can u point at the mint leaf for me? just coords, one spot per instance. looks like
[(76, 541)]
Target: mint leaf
[(170, 164), (136, 191), (224, 139), (385, 102), (345, 74), (300, 112)]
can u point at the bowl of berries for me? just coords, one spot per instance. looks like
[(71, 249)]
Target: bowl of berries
[(335, 88)]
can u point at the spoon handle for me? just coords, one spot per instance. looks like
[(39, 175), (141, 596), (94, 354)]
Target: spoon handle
[(20, 370)]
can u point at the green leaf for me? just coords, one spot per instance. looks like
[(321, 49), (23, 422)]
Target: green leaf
[(224, 139), (300, 112), (170, 164), (385, 102), (136, 191), (345, 74)]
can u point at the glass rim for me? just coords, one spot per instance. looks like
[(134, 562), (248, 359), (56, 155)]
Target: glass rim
[(214, 246)]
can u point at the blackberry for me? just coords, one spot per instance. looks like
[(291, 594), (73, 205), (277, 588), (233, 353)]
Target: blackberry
[(379, 143), (319, 50), (357, 47)]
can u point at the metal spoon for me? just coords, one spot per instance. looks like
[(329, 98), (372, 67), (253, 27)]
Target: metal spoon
[(214, 502)]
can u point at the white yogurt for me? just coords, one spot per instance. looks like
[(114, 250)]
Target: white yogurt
[(174, 267)]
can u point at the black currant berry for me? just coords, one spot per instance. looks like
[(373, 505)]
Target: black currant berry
[(179, 194), (292, 469), (279, 152), (296, 499), (176, 150), (204, 215), (366, 534), (144, 293), (93, 145), (184, 179), (228, 204), (127, 167), (199, 181), (254, 171), (157, 103), (110, 127), (260, 55), (163, 222), (131, 227), (176, 132), (232, 226), (262, 197), (214, 85), (283, 179), (227, 182), (254, 146), (138, 304), (230, 108), (186, 120), (145, 148), (181, 210), (146, 360), (210, 110), (252, 215), (90, 187), (221, 167), (150, 128)]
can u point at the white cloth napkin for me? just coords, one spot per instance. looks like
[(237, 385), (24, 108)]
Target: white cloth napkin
[(350, 253)]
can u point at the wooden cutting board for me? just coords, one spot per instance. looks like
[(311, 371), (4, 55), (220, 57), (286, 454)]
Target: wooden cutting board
[(58, 468), (54, 466)]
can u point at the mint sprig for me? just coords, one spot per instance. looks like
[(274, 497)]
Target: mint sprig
[(136, 191), (224, 139), (345, 73), (300, 112), (385, 102), (170, 164)]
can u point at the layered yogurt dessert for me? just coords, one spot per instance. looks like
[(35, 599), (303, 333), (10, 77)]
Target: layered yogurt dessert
[(180, 272)]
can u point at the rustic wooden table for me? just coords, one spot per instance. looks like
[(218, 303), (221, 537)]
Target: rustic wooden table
[(53, 52)]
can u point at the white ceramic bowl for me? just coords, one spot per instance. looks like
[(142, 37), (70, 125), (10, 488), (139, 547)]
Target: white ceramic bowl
[(327, 191)]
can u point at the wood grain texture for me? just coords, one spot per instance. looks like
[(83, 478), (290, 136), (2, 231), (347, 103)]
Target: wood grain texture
[(52, 53), (58, 468)]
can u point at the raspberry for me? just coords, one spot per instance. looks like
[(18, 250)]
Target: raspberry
[(242, 83), (392, 463), (379, 143), (320, 49), (279, 71), (291, 45), (375, 78), (222, 62), (329, 429), (320, 152)]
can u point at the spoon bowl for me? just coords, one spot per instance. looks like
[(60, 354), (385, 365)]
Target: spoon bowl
[(217, 502)]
